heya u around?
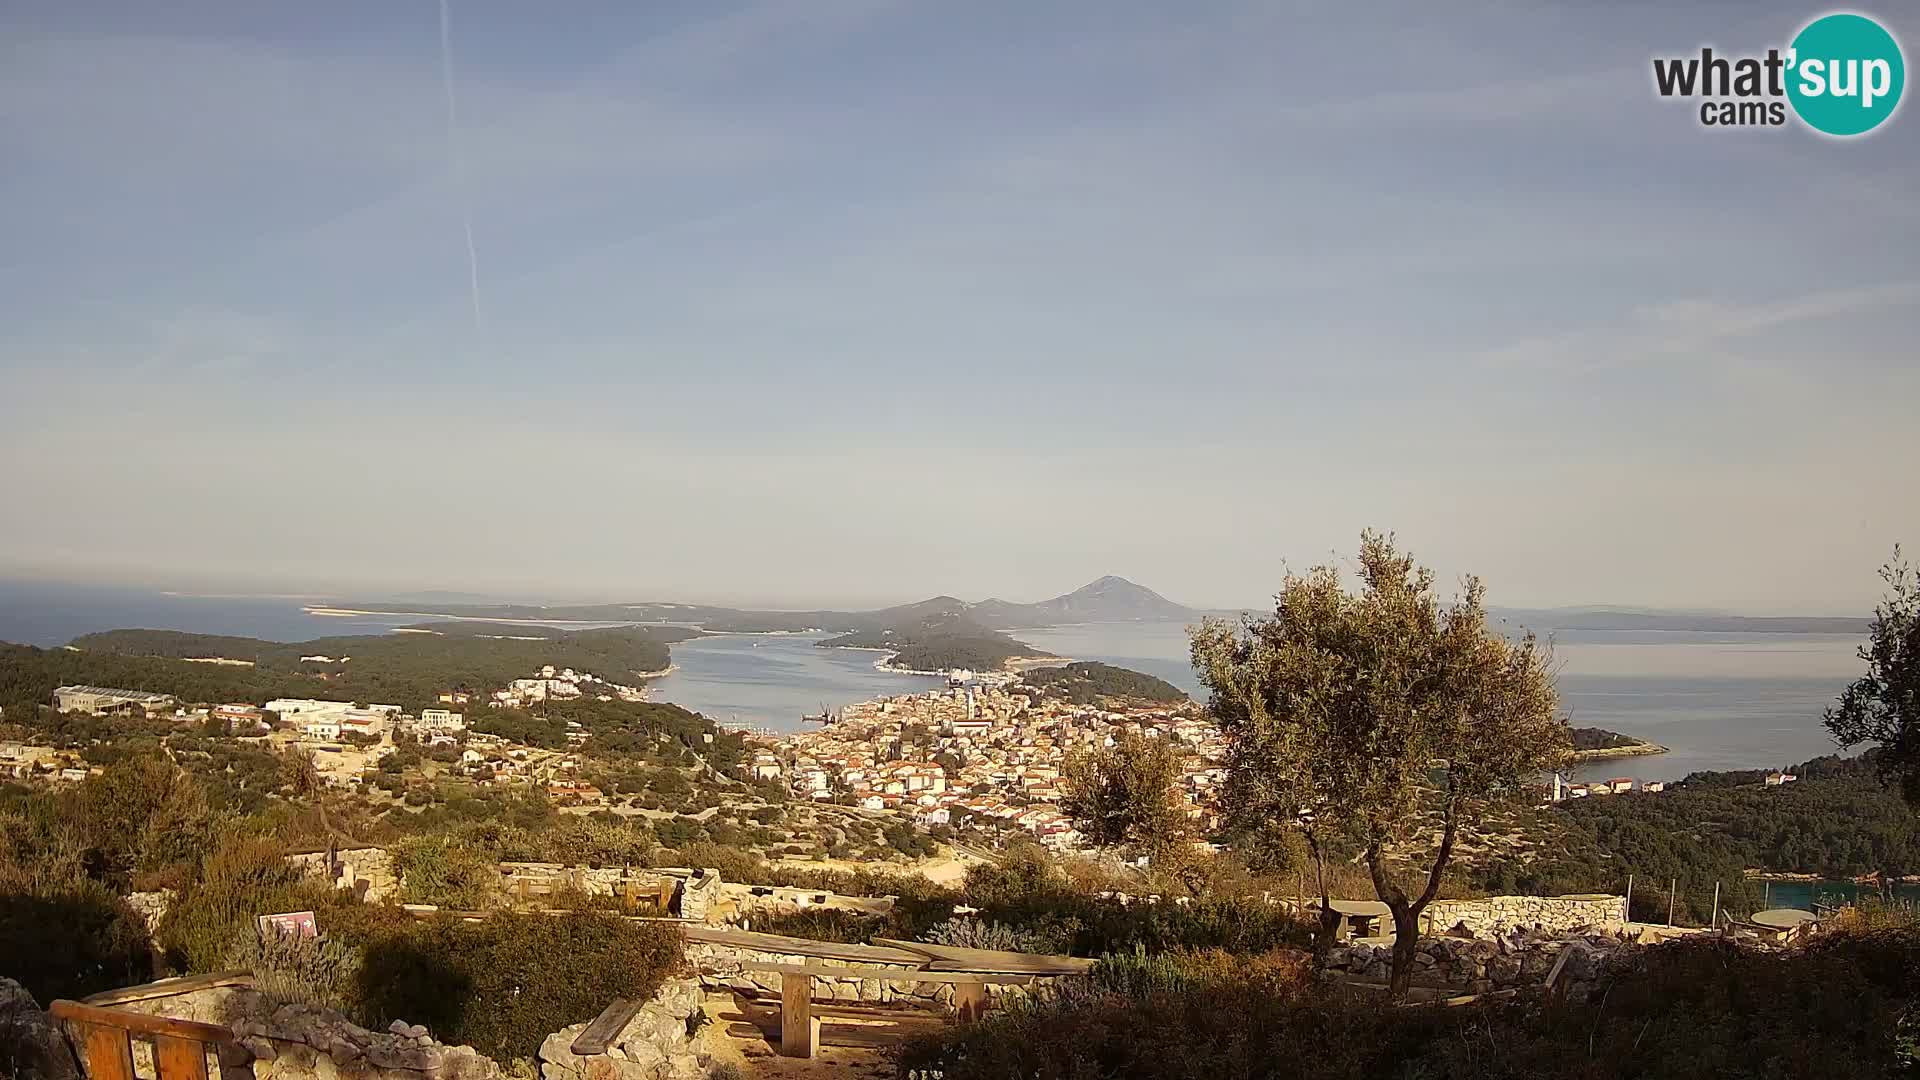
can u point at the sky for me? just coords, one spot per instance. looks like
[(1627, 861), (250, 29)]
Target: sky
[(858, 301)]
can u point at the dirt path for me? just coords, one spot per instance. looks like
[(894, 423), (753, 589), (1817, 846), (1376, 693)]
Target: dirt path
[(755, 1057)]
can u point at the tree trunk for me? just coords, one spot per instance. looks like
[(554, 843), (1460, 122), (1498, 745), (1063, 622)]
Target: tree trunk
[(1406, 944), (1406, 912), (1329, 919)]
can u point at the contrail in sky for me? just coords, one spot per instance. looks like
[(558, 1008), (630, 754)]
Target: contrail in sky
[(459, 168)]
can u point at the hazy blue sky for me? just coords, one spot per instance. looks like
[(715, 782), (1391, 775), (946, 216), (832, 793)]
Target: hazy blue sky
[(862, 300)]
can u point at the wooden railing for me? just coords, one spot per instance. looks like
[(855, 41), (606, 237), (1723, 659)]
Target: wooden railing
[(180, 1047)]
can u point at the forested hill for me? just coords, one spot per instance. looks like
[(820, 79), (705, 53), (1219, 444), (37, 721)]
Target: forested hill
[(1593, 738), (1837, 820), (1090, 682), (941, 641), (407, 669)]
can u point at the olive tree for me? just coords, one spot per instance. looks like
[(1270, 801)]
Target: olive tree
[(1883, 706), (1364, 714), (1127, 797)]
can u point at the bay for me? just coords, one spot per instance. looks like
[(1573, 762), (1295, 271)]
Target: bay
[(772, 680)]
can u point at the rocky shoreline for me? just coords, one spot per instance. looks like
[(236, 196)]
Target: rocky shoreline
[(1641, 749)]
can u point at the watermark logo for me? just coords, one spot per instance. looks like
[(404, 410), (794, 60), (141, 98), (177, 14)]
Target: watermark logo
[(1841, 75)]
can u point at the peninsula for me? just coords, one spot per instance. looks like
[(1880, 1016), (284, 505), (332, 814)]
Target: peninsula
[(1598, 744)]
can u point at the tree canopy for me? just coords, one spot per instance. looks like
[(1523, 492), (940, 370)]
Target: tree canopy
[(1089, 682), (1126, 796), (1348, 710), (1883, 706)]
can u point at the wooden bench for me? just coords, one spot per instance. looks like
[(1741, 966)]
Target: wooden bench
[(180, 1047), (799, 1019), (598, 1035)]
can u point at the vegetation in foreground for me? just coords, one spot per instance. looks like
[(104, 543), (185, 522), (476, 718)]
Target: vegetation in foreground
[(1846, 1006), (1357, 714)]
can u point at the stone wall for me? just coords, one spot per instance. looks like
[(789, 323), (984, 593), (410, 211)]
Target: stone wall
[(1517, 960), (699, 893), (304, 1042), (657, 1044), (368, 871), (736, 904), (695, 889), (720, 967), (1500, 914)]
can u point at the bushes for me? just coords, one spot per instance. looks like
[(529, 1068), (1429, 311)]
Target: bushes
[(1055, 936), (1031, 905), (824, 924), (288, 968), (442, 870), (1028, 892), (1139, 973), (243, 878), (1845, 1006), (504, 983), (69, 938)]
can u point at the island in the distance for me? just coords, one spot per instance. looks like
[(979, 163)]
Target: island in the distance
[(1592, 744), (1089, 682)]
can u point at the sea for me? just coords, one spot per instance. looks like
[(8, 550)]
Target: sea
[(1715, 700)]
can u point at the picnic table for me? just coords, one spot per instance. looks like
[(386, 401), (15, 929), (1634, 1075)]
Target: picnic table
[(1782, 923), (1359, 917)]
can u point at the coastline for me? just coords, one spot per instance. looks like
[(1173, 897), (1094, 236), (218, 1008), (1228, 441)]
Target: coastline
[(555, 624), (1012, 665), (1645, 749), (1786, 876)]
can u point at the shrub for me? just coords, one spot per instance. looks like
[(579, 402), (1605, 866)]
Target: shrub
[(1042, 936), (502, 984), (444, 871), (243, 878), (1843, 1006), (289, 968), (824, 924), (1139, 973), (70, 938)]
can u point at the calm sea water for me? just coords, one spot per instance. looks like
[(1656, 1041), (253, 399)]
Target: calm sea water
[(39, 613), (1802, 894), (1718, 701), (771, 680)]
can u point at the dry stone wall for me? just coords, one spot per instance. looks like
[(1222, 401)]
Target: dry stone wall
[(1516, 960), (1500, 914), (367, 871), (657, 1044), (721, 967), (739, 904), (305, 1042)]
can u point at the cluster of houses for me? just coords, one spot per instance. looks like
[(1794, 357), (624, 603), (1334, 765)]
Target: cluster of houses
[(973, 755), (19, 761), (562, 684), (1561, 790)]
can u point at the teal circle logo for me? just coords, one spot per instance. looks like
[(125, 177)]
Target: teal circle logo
[(1845, 73)]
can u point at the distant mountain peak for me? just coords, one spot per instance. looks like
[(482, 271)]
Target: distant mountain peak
[(1114, 583), (1111, 598)]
